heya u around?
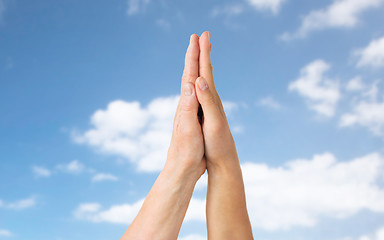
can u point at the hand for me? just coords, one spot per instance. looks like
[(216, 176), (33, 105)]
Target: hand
[(220, 149), (186, 150)]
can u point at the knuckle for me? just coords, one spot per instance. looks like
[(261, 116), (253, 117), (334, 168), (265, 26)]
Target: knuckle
[(188, 107), (207, 66), (188, 76)]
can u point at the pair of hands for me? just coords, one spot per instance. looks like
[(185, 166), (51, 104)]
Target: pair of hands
[(199, 145), (199, 142)]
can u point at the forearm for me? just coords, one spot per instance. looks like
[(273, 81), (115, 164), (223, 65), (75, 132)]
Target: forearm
[(164, 208), (227, 216)]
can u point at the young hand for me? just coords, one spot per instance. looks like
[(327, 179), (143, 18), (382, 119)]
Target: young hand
[(220, 149), (186, 151)]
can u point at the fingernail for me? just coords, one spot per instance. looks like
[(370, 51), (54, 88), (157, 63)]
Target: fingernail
[(209, 36), (202, 84), (190, 38), (188, 90)]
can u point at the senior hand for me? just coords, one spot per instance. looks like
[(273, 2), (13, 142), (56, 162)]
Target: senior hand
[(186, 151)]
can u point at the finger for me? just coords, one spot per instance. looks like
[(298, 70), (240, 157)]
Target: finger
[(205, 66), (191, 68), (211, 109), (188, 106)]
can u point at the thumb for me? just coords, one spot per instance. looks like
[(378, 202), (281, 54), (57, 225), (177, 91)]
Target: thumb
[(211, 109)]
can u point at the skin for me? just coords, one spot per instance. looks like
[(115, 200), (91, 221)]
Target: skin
[(227, 216), (164, 208), (199, 143)]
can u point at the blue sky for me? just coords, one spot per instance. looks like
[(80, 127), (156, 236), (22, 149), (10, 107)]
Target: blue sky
[(88, 91)]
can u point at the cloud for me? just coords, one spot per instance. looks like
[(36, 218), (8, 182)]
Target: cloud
[(320, 92), (227, 10), (19, 204), (269, 102), (141, 134), (121, 214), (136, 6), (267, 5), (125, 213), (355, 84), (104, 177), (193, 237), (378, 235), (372, 55), (196, 210), (230, 10), (5, 233), (296, 194), (41, 171), (74, 167), (368, 112), (303, 191), (340, 14)]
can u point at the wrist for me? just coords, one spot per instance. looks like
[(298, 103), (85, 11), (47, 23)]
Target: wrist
[(224, 168), (185, 176)]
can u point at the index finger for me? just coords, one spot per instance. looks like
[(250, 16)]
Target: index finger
[(191, 68), (205, 68)]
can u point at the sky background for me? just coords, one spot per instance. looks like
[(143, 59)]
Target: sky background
[(88, 91)]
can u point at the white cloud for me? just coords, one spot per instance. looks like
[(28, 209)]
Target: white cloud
[(296, 194), (372, 55), (368, 112), (321, 93), (140, 134), (136, 6), (5, 233), (378, 235), (104, 177), (74, 167), (125, 213), (268, 5), (269, 102), (19, 204), (196, 210), (227, 10), (41, 171), (193, 237), (340, 14), (121, 214), (230, 10), (303, 191), (355, 84)]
